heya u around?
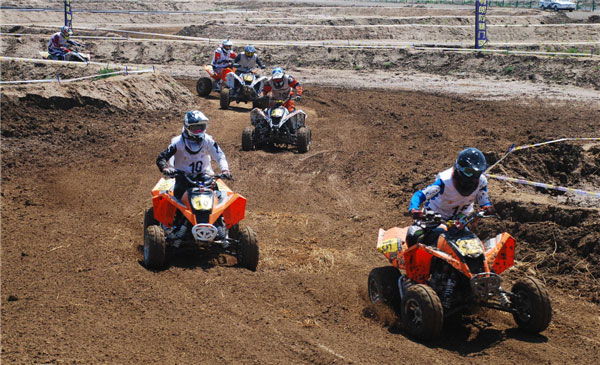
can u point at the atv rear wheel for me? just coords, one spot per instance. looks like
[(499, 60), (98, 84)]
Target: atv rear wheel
[(383, 286), (154, 247), (248, 251), (247, 138), (204, 86), (304, 139), (422, 312), (534, 310), (224, 98)]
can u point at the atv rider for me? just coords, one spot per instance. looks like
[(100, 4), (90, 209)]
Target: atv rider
[(222, 60), (57, 46), (247, 61), (191, 153), (280, 86), (452, 194)]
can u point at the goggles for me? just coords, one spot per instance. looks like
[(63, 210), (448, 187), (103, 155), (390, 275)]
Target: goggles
[(197, 128), (469, 171)]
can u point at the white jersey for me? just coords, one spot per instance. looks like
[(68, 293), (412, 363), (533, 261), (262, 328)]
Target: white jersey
[(247, 63), (195, 158), (443, 198)]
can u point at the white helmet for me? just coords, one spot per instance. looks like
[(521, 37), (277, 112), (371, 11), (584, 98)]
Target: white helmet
[(195, 124), (227, 45)]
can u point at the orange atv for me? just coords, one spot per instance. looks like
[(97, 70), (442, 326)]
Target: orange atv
[(442, 269), (213, 81), (211, 215)]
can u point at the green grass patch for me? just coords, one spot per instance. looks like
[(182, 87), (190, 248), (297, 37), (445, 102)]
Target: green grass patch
[(103, 73)]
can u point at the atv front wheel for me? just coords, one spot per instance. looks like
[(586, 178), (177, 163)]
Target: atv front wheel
[(383, 286), (204, 86), (149, 219), (154, 247), (224, 98), (422, 312), (247, 139), (534, 310), (247, 248), (304, 139)]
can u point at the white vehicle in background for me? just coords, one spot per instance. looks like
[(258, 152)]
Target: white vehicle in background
[(557, 5)]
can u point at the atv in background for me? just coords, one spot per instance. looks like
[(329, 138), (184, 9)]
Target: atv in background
[(242, 87), (277, 126)]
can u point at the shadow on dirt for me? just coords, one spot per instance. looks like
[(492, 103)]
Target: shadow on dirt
[(192, 258)]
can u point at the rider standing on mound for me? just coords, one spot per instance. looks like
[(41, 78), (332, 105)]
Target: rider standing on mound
[(191, 152), (454, 192), (280, 86), (223, 58), (57, 46), (248, 60)]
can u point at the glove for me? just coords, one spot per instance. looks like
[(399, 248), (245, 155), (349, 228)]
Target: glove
[(226, 175), (169, 172), (298, 97), (489, 210), (417, 214)]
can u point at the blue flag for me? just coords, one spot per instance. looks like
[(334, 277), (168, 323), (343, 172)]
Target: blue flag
[(480, 28), (68, 14)]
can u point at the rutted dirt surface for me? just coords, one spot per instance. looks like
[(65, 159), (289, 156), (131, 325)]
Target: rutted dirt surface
[(77, 174)]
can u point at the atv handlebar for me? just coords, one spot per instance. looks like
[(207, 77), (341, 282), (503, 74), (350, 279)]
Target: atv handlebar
[(432, 219), (203, 179)]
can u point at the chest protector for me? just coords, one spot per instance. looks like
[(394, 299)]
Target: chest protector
[(247, 63)]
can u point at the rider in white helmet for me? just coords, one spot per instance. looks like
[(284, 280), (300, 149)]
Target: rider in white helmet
[(191, 152), (280, 86), (223, 58), (57, 46)]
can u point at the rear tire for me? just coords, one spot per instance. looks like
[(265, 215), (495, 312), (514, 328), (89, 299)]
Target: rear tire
[(204, 86), (247, 139), (304, 139), (154, 247), (555, 8), (533, 305), (248, 251), (383, 286), (422, 312), (224, 99)]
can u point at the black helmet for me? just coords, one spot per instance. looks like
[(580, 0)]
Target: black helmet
[(468, 167)]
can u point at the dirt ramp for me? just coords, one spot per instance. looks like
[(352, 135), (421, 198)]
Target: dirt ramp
[(152, 91)]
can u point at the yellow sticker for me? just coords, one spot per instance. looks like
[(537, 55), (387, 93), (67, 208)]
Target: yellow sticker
[(164, 184), (388, 246), (470, 247)]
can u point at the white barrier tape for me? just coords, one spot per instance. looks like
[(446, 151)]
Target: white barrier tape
[(512, 148), (353, 44), (77, 78), (36, 60), (94, 11), (545, 186), (469, 26)]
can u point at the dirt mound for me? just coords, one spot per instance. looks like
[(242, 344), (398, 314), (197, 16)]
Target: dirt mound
[(150, 91)]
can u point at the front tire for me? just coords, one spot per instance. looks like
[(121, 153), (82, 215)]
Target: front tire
[(304, 139), (422, 312), (248, 252), (247, 139), (204, 86), (224, 99), (154, 247), (149, 219), (382, 286), (534, 310)]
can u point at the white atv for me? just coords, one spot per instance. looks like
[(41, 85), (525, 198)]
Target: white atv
[(277, 126), (242, 87)]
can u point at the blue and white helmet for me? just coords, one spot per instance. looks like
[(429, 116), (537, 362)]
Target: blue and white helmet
[(66, 31), (195, 124), (249, 50), (277, 76)]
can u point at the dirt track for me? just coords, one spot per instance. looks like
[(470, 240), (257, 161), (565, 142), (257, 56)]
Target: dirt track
[(76, 177)]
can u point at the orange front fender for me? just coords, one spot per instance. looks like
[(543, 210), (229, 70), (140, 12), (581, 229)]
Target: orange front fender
[(500, 252)]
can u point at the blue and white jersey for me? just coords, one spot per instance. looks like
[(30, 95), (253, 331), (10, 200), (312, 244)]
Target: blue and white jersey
[(192, 157), (443, 198)]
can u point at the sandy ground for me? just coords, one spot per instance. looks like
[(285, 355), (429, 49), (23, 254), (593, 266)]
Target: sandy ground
[(78, 163)]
